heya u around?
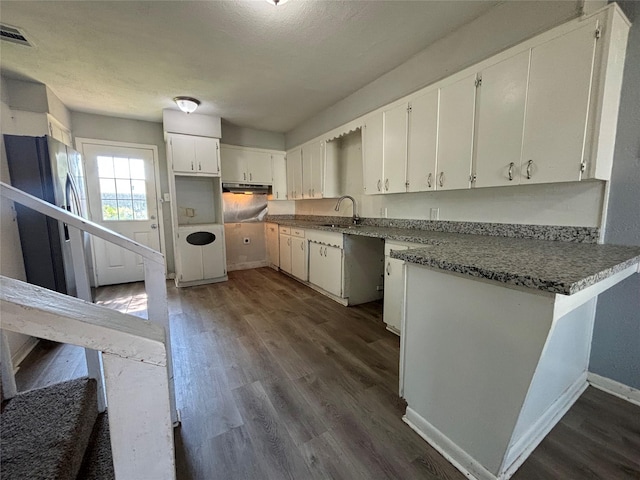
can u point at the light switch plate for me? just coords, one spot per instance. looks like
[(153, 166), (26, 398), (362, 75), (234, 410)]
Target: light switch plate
[(434, 214)]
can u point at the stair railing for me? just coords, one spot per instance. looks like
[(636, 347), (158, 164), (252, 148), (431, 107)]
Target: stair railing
[(135, 357), (154, 282)]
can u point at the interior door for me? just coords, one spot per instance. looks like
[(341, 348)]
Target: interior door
[(122, 197)]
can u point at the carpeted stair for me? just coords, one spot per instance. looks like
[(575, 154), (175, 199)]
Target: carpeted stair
[(45, 434)]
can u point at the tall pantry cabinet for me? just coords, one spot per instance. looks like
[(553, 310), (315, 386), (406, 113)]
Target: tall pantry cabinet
[(195, 193)]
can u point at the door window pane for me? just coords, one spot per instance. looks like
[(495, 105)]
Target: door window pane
[(123, 190)]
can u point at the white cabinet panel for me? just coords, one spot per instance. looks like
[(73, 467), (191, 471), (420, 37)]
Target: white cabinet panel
[(500, 119), (213, 256), (455, 134), (197, 262), (183, 153), (246, 165), (196, 155), (259, 168), (325, 267), (273, 244), (393, 293), (233, 165), (312, 169), (317, 264), (294, 173), (422, 142), (372, 153), (299, 258), (279, 168), (395, 149), (557, 107), (285, 253), (207, 155)]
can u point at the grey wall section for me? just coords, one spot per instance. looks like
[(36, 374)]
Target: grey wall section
[(502, 27), (249, 137), (101, 127), (615, 351)]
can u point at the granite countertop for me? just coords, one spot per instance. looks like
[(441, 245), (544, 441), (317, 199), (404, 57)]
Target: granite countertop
[(551, 266)]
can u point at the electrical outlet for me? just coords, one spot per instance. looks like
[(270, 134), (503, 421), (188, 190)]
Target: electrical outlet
[(434, 214), (246, 240), (383, 212)]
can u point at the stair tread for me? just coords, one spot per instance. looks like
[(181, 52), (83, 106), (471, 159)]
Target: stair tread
[(45, 431), (98, 461)]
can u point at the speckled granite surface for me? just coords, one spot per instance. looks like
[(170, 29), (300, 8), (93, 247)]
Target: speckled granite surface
[(552, 266)]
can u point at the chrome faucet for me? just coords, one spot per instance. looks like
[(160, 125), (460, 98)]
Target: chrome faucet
[(356, 218)]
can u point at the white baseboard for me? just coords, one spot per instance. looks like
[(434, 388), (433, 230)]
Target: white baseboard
[(247, 265), (21, 353), (612, 387), (530, 439), (449, 450)]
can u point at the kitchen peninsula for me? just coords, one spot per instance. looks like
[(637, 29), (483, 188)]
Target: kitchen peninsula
[(497, 330)]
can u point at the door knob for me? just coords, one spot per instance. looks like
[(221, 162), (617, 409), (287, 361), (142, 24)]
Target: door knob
[(154, 226)]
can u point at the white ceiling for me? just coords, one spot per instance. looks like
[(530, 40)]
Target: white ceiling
[(253, 64)]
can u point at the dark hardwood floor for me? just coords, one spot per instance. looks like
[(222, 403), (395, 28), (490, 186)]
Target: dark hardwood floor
[(275, 381)]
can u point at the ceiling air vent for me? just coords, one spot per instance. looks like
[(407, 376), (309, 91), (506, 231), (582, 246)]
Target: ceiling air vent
[(12, 34)]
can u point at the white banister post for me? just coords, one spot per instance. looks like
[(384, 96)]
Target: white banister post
[(83, 291), (9, 389), (140, 422), (155, 285)]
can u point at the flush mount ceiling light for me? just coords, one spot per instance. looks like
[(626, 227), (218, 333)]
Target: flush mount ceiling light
[(277, 2), (187, 104)]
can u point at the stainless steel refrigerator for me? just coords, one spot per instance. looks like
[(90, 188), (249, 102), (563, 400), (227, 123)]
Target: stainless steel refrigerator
[(52, 171)]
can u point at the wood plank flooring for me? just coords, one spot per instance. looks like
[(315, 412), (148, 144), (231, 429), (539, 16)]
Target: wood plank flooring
[(275, 381)]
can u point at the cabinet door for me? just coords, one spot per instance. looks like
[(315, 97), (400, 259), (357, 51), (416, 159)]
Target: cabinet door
[(307, 170), (500, 120), (190, 261), (299, 258), (317, 264), (259, 168), (372, 154), (183, 153), (317, 172), (213, 256), (285, 253), (393, 293), (455, 134), (557, 107), (294, 173), (234, 165), (206, 155), (279, 169), (333, 274), (273, 244), (395, 149), (422, 143)]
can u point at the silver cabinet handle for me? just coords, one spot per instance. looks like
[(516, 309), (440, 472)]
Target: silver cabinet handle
[(325, 251), (320, 250), (244, 176), (441, 179), (313, 192), (192, 168), (529, 164), (511, 165), (289, 241), (379, 185), (250, 177), (386, 184), (388, 268), (429, 180), (302, 246), (199, 166)]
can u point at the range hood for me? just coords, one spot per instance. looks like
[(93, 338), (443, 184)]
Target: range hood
[(245, 188)]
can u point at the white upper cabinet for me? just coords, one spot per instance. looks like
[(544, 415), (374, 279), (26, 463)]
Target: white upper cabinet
[(246, 165), (372, 132), (394, 157), (312, 169), (194, 155), (558, 106), (422, 142), (294, 174), (455, 134), (279, 169), (501, 99)]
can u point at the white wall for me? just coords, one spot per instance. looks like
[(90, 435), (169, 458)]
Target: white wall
[(249, 137)]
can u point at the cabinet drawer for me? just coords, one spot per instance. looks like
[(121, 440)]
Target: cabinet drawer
[(297, 232), (285, 230)]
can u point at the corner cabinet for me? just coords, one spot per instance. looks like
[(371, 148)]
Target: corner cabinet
[(190, 154)]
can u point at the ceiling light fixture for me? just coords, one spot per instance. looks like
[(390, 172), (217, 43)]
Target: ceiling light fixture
[(187, 104), (277, 2)]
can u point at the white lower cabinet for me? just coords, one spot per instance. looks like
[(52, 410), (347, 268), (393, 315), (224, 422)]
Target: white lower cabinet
[(200, 254), (299, 258), (394, 286), (273, 244), (285, 249), (325, 267)]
